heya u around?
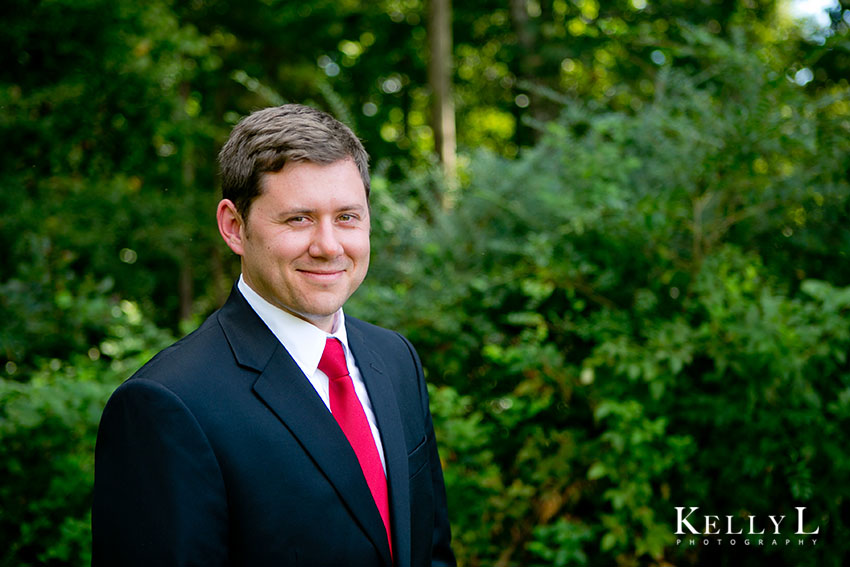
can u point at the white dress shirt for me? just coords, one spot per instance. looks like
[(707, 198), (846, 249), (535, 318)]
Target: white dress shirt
[(305, 343)]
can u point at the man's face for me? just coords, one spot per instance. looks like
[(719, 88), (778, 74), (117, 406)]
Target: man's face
[(306, 244)]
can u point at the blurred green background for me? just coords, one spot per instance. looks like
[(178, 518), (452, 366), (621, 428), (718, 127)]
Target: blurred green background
[(632, 293)]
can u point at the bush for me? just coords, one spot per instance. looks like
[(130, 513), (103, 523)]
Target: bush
[(644, 311), (48, 424)]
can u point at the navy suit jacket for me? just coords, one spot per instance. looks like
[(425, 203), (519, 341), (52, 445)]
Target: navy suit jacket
[(220, 452)]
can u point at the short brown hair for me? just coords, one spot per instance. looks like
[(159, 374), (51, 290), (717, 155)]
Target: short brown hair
[(267, 139)]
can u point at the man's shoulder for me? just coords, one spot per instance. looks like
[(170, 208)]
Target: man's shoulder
[(214, 348), (366, 327), (374, 334), (390, 346), (202, 348)]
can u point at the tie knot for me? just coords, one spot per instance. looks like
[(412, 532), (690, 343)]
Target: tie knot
[(332, 362)]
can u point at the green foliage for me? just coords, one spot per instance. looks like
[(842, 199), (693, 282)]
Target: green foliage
[(101, 174), (48, 425), (635, 315)]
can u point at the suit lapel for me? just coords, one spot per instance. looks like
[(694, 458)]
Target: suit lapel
[(283, 387), (285, 390), (385, 405)]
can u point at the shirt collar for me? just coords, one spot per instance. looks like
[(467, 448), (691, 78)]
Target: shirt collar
[(304, 341)]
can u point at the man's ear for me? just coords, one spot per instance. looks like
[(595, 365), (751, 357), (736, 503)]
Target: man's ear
[(230, 225)]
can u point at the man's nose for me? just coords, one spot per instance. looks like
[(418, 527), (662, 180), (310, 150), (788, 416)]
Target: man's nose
[(325, 242)]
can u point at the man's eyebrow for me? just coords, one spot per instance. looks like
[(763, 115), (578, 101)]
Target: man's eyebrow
[(295, 212), (307, 211), (355, 207)]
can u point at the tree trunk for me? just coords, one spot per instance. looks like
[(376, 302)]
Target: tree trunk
[(439, 77), (524, 66)]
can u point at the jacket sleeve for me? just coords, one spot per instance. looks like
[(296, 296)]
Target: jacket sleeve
[(441, 551), (442, 554), (159, 496)]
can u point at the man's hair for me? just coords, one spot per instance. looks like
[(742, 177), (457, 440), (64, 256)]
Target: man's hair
[(264, 141)]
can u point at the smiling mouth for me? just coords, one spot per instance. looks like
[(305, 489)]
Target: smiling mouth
[(319, 276), (321, 272)]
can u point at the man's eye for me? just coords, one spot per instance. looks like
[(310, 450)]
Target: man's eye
[(345, 217), (297, 220)]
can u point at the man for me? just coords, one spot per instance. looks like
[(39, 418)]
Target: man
[(281, 432)]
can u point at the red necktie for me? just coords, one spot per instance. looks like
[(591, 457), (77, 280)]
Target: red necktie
[(346, 409)]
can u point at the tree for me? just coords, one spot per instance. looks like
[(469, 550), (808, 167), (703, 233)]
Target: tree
[(439, 78)]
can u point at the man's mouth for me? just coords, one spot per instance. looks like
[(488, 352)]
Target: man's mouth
[(323, 274)]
